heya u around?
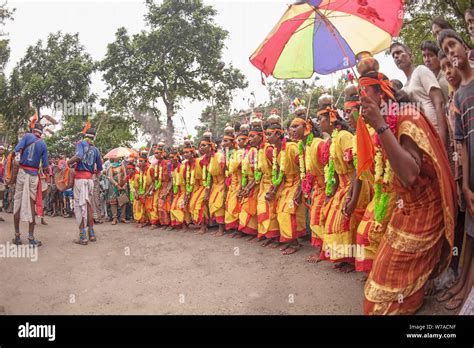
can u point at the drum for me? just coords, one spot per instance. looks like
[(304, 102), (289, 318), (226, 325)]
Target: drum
[(59, 180), (11, 169)]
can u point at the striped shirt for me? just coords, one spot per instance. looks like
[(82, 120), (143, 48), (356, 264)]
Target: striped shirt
[(464, 127)]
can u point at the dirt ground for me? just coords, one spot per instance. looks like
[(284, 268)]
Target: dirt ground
[(139, 271)]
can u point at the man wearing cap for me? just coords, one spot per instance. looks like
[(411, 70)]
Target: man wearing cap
[(31, 151), (87, 160)]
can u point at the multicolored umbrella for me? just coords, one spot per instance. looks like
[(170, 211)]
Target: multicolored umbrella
[(324, 36), (121, 152)]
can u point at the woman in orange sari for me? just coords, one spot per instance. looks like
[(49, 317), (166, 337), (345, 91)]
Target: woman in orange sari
[(156, 175), (179, 214), (347, 195), (417, 244), (248, 220)]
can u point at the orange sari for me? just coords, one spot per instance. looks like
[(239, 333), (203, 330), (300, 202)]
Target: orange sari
[(419, 237)]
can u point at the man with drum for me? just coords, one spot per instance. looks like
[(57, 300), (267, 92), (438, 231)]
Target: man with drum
[(32, 151), (88, 161)]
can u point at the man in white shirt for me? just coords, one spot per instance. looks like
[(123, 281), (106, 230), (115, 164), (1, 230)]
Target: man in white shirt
[(422, 87)]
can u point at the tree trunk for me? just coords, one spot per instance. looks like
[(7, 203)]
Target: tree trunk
[(169, 123)]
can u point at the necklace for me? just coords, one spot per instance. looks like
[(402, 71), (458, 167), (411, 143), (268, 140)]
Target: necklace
[(329, 168)]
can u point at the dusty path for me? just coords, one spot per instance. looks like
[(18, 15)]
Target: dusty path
[(169, 272)]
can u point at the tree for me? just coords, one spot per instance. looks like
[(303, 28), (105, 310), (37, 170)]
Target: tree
[(419, 14), (215, 119), (283, 92), (112, 131), (56, 72), (15, 108), (178, 58)]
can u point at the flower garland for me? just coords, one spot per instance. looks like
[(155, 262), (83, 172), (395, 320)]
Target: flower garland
[(244, 170), (258, 168), (383, 175), (189, 178), (206, 176), (142, 183), (174, 178), (277, 179), (158, 178), (329, 178), (304, 159), (132, 195)]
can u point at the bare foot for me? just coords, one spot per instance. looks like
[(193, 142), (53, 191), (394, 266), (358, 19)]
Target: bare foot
[(275, 244), (347, 268), (239, 235), (219, 234), (285, 246), (267, 243), (313, 258), (292, 249), (251, 238), (154, 227)]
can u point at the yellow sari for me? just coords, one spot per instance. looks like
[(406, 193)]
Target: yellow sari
[(178, 212), (216, 197), (248, 221), (139, 211), (232, 205), (197, 208), (151, 202), (291, 218), (316, 158), (340, 232), (266, 211)]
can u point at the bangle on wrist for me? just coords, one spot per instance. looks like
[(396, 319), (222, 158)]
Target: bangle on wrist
[(382, 129)]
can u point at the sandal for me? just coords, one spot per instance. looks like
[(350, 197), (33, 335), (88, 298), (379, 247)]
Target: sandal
[(444, 295), (92, 237), (81, 241), (35, 243), (457, 303), (17, 240)]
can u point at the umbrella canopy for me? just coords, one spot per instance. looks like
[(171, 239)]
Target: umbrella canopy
[(121, 152), (324, 36)]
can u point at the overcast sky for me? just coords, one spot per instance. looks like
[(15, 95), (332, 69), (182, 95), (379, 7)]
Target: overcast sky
[(248, 23)]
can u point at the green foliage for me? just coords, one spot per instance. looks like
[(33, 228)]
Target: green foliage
[(56, 71), (178, 57), (207, 122), (112, 131), (283, 92), (419, 14), (14, 106)]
